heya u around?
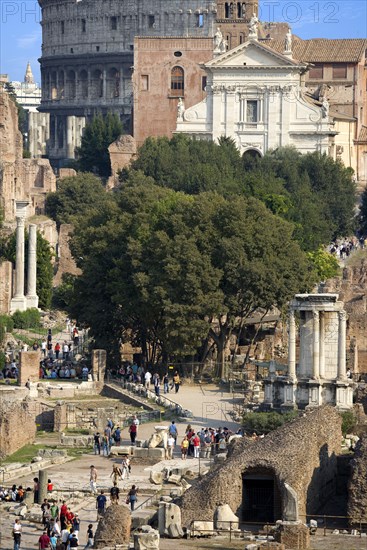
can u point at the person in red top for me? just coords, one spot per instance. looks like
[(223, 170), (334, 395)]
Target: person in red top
[(196, 443), (57, 350), (44, 541), (63, 511)]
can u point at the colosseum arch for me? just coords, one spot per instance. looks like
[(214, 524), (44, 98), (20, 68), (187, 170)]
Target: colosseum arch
[(70, 85), (261, 496), (96, 87), (113, 83), (83, 84), (53, 85), (61, 85)]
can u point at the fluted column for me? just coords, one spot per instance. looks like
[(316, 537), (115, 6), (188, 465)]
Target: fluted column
[(342, 345), (322, 345), (292, 346), (316, 345), (32, 298)]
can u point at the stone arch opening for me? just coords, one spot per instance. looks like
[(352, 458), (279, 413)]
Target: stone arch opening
[(261, 496), (70, 85), (97, 84), (61, 86), (53, 85), (113, 83), (83, 84), (250, 158)]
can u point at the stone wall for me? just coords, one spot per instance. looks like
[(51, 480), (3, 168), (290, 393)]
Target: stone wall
[(357, 489), (17, 425), (20, 179), (352, 290), (65, 261), (29, 362), (6, 270), (301, 456)]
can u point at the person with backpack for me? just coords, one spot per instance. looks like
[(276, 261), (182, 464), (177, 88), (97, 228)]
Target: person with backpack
[(97, 443), (90, 537), (114, 493), (172, 430), (117, 436)]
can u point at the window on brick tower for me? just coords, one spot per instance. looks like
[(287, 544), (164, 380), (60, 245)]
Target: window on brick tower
[(177, 81), (84, 25), (200, 20), (151, 21)]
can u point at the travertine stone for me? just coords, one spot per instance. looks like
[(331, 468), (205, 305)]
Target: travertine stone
[(32, 298)]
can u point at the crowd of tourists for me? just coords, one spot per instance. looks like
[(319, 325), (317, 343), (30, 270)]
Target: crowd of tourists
[(343, 248), (112, 435), (137, 374)]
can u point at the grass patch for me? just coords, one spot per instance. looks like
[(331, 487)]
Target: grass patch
[(77, 431), (23, 338), (356, 258), (26, 453), (44, 331)]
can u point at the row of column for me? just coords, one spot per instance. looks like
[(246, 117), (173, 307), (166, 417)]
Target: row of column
[(19, 300), (318, 345)]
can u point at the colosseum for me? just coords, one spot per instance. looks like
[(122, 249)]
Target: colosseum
[(88, 54)]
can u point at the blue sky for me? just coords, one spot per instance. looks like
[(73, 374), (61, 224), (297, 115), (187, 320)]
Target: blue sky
[(20, 31)]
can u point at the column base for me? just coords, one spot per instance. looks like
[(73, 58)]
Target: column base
[(32, 301), (314, 394), (344, 395), (18, 303), (289, 396)]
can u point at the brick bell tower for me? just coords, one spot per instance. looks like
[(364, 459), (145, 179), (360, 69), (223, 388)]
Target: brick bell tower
[(233, 19)]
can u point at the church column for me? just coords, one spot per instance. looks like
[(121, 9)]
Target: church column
[(322, 345), (32, 298), (70, 137), (104, 83), (292, 346), (316, 345), (341, 345)]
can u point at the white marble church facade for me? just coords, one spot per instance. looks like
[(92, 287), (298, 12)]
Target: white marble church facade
[(255, 96)]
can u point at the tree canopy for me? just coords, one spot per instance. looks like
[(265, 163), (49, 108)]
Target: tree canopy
[(76, 197), (98, 134), (164, 264)]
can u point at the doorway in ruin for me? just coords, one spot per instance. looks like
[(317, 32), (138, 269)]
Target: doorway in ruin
[(261, 500)]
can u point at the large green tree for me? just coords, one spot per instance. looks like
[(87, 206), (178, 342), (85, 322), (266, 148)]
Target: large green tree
[(76, 197), (166, 264), (93, 155), (363, 214)]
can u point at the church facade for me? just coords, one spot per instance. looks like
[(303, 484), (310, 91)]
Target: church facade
[(255, 97)]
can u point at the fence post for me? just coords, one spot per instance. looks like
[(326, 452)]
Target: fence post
[(230, 531), (324, 526)]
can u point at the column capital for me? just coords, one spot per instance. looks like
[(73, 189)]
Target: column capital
[(342, 315)]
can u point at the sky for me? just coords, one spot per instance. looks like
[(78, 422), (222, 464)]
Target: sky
[(20, 30)]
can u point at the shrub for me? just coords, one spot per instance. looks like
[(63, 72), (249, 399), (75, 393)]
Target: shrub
[(348, 422), (30, 318), (266, 422), (2, 360)]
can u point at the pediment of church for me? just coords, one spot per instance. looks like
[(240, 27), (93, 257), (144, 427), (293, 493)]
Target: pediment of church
[(252, 54)]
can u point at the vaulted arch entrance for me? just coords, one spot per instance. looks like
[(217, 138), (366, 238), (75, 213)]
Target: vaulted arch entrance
[(261, 498)]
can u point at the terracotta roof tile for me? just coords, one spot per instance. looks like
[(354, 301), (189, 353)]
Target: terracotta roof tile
[(322, 50), (363, 134)]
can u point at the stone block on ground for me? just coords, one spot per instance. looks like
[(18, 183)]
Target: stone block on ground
[(174, 478), (220, 458), (224, 518), (157, 453), (114, 527), (293, 535), (123, 450), (140, 452), (202, 529), (156, 477), (146, 539), (169, 520), (143, 517)]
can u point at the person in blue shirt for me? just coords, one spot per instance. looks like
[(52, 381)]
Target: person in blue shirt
[(101, 504)]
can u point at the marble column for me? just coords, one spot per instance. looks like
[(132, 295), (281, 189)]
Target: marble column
[(316, 345), (32, 298), (18, 302), (342, 345), (292, 346), (322, 345)]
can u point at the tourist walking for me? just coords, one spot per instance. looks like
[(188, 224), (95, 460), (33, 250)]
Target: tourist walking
[(132, 497), (184, 447), (114, 493), (17, 534), (97, 443), (133, 430), (173, 430), (101, 501), (116, 474), (90, 537), (170, 447), (165, 383), (176, 381), (156, 383), (147, 379), (125, 467), (44, 541), (93, 479)]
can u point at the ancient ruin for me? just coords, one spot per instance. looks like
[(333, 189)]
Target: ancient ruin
[(287, 475), (113, 528), (357, 489), (320, 375)]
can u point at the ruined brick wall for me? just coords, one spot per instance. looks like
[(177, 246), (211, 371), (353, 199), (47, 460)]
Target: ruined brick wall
[(352, 290), (65, 261), (301, 454), (17, 425), (6, 270), (357, 489), (20, 179), (29, 362)]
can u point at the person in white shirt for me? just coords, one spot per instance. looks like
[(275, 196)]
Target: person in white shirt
[(170, 446), (147, 379)]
